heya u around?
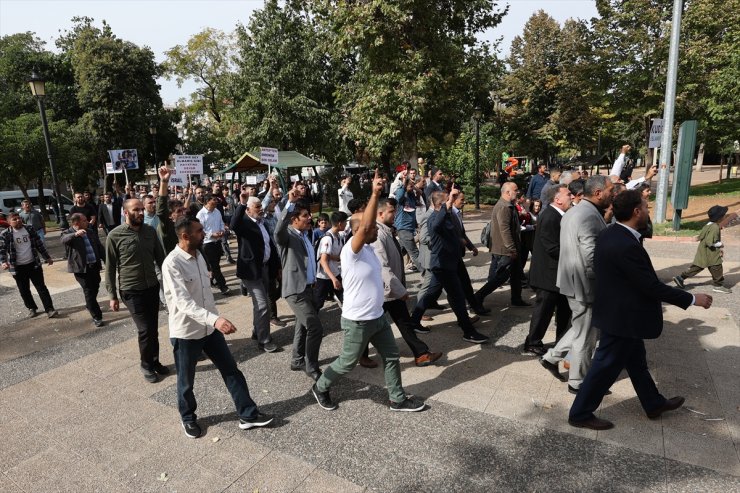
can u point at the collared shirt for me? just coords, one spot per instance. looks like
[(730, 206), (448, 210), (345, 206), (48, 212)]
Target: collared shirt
[(152, 220), (187, 289), (311, 261), (633, 231), (212, 222), (561, 212), (265, 237)]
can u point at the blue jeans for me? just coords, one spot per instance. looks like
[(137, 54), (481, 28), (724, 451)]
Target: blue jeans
[(186, 357)]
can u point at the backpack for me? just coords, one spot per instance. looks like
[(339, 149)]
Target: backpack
[(485, 235)]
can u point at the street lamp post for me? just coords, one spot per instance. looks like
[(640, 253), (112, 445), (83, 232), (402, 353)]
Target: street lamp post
[(476, 117), (153, 132), (38, 89)]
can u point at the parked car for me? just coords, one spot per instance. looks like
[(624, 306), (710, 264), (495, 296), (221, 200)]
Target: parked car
[(10, 200)]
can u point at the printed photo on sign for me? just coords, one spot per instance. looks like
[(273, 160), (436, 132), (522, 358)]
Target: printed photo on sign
[(124, 159), (110, 169)]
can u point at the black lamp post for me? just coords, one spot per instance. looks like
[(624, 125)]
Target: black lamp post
[(476, 118), (153, 132), (38, 89)]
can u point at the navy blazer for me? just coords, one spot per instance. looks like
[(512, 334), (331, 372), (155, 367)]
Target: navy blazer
[(444, 241), (252, 247), (629, 296), (543, 268)]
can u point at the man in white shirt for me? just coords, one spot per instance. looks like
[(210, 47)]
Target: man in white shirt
[(192, 319), (363, 319), (345, 195), (329, 275), (213, 225)]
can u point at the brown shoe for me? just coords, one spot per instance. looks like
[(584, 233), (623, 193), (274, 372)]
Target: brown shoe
[(427, 318), (368, 362), (592, 423), (669, 405), (566, 364), (427, 359)]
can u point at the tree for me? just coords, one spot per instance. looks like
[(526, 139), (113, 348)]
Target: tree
[(530, 88), (417, 68), (283, 87), (207, 59), (116, 90)]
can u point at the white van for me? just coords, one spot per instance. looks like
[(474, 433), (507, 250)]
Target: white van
[(10, 200)]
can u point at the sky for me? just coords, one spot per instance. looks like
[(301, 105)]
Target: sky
[(162, 24)]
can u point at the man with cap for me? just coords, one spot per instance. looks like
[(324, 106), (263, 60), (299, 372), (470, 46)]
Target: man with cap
[(709, 253)]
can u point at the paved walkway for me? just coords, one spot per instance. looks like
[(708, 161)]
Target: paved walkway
[(76, 415)]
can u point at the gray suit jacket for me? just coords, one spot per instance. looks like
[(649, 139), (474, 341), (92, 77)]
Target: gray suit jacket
[(424, 253), (391, 263), (293, 256), (578, 231)]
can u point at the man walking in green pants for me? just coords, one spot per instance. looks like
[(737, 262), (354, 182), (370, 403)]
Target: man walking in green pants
[(363, 318)]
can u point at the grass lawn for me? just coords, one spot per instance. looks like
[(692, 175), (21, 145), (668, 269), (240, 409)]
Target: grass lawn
[(728, 188), (688, 228)]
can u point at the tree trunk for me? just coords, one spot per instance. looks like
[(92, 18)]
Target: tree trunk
[(700, 157)]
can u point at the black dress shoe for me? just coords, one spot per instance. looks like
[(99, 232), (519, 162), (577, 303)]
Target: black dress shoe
[(592, 423), (520, 303), (481, 310), (315, 375), (575, 391), (436, 306), (553, 369), (299, 367), (534, 350), (669, 405)]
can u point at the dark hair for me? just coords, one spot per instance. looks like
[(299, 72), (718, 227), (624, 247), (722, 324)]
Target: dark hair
[(625, 203), (323, 217), (299, 207), (576, 187), (173, 204), (355, 205), (386, 201), (337, 217), (184, 224)]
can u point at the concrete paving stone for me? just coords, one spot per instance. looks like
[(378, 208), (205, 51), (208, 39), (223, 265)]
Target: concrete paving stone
[(173, 458), (27, 397), (75, 383), (58, 469), (554, 416), (131, 380), (719, 455), (632, 429), (231, 457), (8, 486), (21, 441), (525, 383), (517, 405), (264, 476), (321, 481), (196, 477), (104, 363), (619, 469), (681, 477), (711, 425), (469, 395)]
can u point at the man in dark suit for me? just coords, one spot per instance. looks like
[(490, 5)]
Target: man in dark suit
[(444, 246), (109, 212), (434, 185), (85, 258), (258, 261), (543, 272), (626, 309)]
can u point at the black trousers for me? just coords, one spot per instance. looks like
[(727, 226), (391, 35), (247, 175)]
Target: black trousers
[(399, 312), (502, 268), (547, 304), (144, 307), (323, 289), (212, 251), (90, 284), (467, 286), (32, 273), (273, 291), (614, 354), (455, 296)]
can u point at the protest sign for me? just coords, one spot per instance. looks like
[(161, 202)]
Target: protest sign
[(124, 159), (268, 156), (656, 133), (189, 164), (110, 169)]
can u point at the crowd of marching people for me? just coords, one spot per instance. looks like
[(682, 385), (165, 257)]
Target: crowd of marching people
[(579, 237)]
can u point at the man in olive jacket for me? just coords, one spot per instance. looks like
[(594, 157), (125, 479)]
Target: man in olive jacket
[(505, 247), (131, 250), (85, 258)]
